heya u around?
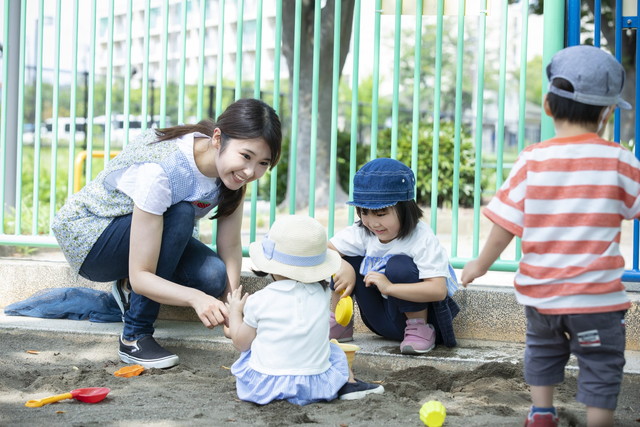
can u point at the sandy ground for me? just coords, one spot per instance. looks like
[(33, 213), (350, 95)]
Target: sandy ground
[(201, 390)]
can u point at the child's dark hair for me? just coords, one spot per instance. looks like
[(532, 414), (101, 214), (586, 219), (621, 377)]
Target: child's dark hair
[(409, 214), (260, 273), (570, 110)]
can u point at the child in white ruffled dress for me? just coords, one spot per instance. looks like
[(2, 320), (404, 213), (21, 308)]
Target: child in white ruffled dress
[(282, 331)]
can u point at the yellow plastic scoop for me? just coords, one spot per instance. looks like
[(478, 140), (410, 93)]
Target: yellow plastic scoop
[(344, 311)]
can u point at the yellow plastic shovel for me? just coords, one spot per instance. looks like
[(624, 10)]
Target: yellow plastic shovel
[(344, 311)]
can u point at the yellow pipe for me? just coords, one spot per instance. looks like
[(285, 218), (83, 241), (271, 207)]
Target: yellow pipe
[(79, 166)]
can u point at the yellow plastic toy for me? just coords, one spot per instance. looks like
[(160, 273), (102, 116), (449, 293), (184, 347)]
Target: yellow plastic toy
[(349, 350), (433, 413), (344, 311)]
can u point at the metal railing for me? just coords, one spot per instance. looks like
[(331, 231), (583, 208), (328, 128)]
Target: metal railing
[(408, 73)]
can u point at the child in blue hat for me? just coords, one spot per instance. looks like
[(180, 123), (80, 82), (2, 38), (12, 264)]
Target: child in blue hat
[(566, 198), (393, 264)]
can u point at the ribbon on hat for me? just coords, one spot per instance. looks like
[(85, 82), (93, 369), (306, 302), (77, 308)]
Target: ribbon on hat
[(271, 253)]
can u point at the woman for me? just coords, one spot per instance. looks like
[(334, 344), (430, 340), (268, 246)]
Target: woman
[(136, 220)]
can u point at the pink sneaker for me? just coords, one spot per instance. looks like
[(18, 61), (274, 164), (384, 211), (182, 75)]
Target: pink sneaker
[(419, 337), (339, 332)]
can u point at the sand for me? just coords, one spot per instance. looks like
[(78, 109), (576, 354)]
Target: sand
[(201, 390)]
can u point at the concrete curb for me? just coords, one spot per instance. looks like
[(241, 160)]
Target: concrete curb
[(487, 312)]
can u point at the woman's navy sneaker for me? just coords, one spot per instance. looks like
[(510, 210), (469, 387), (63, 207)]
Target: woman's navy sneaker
[(148, 353), (358, 390), (121, 291)]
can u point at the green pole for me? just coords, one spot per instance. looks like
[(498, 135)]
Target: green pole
[(436, 119), (72, 100), (376, 82), (183, 62), (239, 34), (145, 66), (18, 190), (553, 41), (3, 117), (163, 65), (127, 78), (220, 64), (457, 132), (55, 114), (108, 88), (354, 106), (294, 108), (256, 94), (276, 106), (523, 93), (203, 26), (37, 144), (91, 97), (313, 145), (218, 107), (415, 128), (334, 117), (501, 95), (396, 81), (477, 190)]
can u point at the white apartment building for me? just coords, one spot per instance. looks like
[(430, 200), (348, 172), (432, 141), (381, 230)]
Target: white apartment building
[(166, 27)]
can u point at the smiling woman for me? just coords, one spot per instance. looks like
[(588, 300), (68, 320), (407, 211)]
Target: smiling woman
[(134, 223)]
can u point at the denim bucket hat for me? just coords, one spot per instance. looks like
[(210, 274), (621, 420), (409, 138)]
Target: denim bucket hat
[(596, 76), (382, 183)]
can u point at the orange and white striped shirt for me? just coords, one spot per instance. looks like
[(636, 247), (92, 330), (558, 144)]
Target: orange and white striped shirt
[(566, 199)]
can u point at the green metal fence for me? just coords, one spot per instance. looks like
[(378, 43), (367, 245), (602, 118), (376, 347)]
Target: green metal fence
[(81, 78)]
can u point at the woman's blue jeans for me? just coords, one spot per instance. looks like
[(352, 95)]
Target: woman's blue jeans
[(385, 316), (183, 259)]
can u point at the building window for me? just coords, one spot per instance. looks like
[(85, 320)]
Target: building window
[(249, 35)]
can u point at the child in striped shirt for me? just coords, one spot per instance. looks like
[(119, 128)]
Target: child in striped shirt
[(566, 198)]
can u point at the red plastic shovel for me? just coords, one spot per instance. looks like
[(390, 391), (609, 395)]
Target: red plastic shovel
[(87, 395)]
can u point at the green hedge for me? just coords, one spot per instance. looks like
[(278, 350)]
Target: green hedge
[(425, 153)]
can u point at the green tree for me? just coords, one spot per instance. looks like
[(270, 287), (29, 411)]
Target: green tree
[(325, 76)]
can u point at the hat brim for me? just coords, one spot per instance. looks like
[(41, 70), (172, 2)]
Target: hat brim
[(371, 205), (329, 266), (624, 105)]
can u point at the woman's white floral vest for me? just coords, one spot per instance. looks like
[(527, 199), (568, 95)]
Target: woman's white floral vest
[(86, 214)]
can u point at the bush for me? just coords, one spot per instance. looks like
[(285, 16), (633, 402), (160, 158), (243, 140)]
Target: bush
[(425, 155)]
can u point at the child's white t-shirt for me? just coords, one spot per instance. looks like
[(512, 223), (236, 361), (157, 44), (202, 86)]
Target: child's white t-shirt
[(421, 245), (148, 184), (292, 330)]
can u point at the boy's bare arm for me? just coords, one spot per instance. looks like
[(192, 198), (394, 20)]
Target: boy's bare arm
[(497, 241)]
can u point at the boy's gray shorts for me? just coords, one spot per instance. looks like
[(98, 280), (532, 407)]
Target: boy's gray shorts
[(596, 339)]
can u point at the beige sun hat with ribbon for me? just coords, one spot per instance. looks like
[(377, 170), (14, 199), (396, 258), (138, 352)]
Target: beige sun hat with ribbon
[(296, 247)]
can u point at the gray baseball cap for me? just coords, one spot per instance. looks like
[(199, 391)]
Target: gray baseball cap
[(597, 77)]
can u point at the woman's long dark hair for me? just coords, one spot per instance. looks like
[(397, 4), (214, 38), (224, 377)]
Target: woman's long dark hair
[(244, 119)]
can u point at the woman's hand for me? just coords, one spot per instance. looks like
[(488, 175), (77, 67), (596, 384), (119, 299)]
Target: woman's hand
[(344, 280), (211, 311), (379, 280)]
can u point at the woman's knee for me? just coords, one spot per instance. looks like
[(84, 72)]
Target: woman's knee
[(212, 276)]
